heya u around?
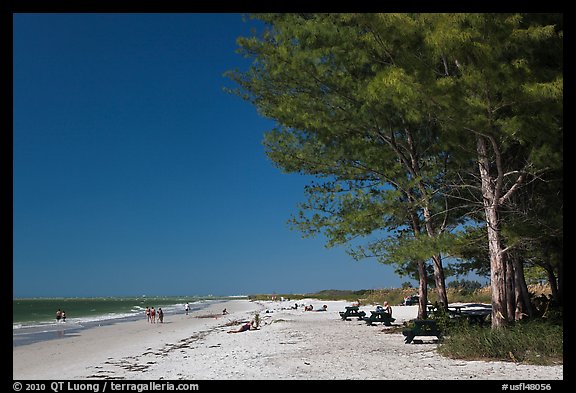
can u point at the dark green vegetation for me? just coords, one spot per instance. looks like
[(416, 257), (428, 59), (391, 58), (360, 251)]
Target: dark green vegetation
[(533, 342), (434, 140), (328, 294), (393, 296)]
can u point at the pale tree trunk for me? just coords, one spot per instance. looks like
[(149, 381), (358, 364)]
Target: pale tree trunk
[(490, 194), (440, 280)]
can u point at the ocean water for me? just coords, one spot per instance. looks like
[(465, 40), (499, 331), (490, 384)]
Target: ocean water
[(35, 319)]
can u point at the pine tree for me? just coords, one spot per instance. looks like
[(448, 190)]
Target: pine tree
[(403, 119)]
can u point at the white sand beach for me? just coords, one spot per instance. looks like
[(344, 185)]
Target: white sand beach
[(289, 345)]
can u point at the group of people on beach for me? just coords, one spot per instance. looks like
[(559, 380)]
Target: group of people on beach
[(152, 314), (311, 308), (60, 316)]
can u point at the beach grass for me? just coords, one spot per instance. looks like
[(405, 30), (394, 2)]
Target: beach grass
[(395, 296), (535, 342)]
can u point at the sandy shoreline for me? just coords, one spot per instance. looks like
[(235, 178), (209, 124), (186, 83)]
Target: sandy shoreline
[(290, 345)]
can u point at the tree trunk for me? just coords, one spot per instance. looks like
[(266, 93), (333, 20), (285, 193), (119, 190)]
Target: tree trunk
[(497, 271), (413, 167), (439, 277), (555, 277), (422, 274), (559, 295), (422, 290), (440, 280), (523, 305), (500, 316), (553, 286), (510, 289)]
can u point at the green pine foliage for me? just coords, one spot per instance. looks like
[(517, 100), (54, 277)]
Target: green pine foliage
[(385, 111)]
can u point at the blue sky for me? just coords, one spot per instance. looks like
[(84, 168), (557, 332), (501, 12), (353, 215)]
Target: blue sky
[(135, 173)]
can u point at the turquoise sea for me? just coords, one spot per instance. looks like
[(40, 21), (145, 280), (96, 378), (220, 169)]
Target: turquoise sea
[(34, 319)]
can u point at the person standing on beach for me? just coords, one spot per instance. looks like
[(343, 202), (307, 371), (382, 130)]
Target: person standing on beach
[(58, 315), (187, 308), (63, 316), (160, 315), (147, 314)]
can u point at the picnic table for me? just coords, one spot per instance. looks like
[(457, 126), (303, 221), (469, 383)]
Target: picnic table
[(379, 316), (474, 314), (422, 327), (352, 311), (478, 316), (453, 311)]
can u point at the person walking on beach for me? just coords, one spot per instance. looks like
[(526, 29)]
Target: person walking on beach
[(160, 315), (187, 308), (58, 315), (147, 314), (152, 315)]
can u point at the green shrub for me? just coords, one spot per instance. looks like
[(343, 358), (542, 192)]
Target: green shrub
[(533, 342)]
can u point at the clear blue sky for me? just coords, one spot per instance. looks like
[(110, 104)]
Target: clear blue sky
[(135, 173)]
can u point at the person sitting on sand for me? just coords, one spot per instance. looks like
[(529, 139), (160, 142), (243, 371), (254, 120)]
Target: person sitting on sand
[(224, 312), (245, 327)]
